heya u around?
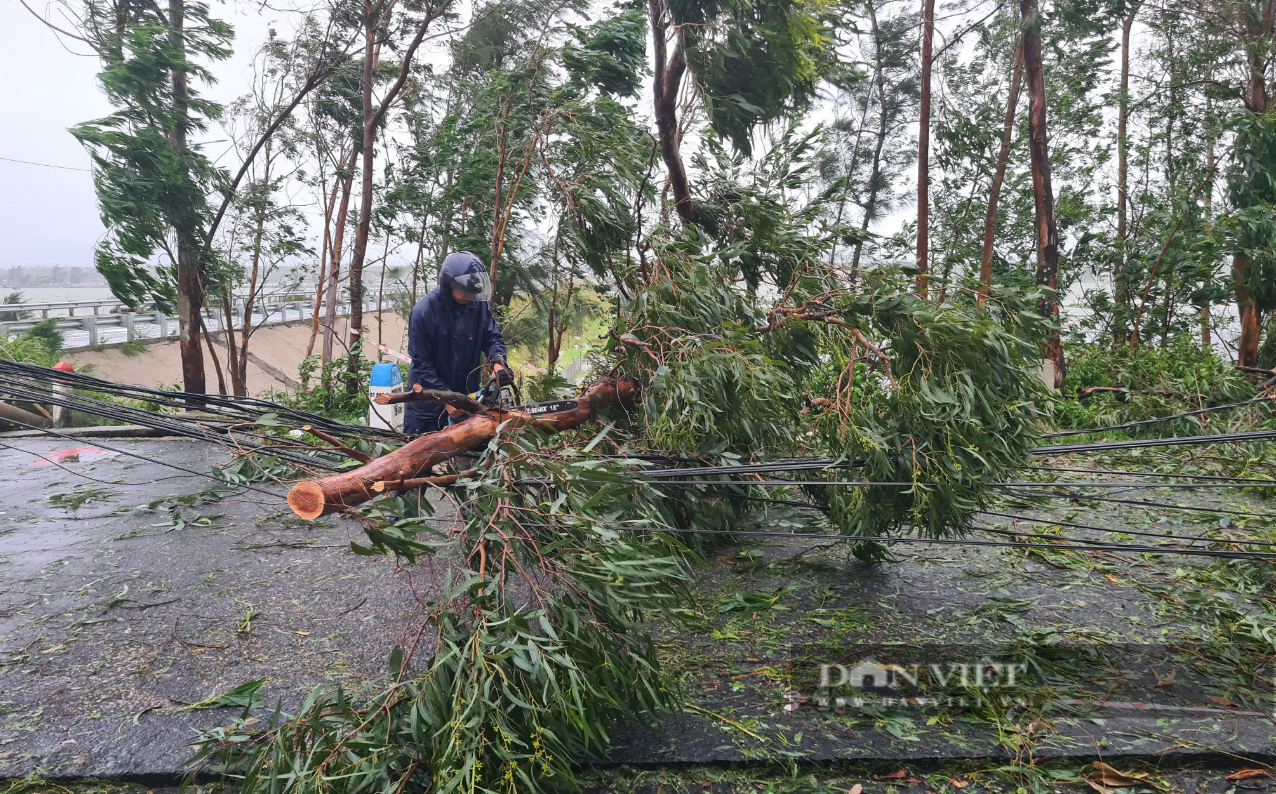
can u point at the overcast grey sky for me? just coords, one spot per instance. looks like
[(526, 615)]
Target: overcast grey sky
[(48, 216)]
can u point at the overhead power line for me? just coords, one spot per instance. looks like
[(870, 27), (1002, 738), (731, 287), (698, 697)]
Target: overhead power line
[(1157, 420), (45, 165)]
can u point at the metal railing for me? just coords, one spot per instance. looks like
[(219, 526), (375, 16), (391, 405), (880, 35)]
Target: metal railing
[(70, 307), (89, 331)]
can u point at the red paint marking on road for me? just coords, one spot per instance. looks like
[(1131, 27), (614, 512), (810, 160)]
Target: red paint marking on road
[(72, 455)]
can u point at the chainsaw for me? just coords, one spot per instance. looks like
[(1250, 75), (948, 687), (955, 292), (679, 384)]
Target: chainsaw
[(502, 394)]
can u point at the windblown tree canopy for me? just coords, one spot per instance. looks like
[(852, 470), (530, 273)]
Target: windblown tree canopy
[(749, 63), (511, 130), (161, 198), (152, 184)]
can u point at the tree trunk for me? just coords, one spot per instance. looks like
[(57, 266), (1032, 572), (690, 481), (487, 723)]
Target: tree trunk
[(1043, 195), (879, 79), (240, 378), (232, 348), (1207, 202), (385, 255), (334, 265), (1160, 259), (1256, 102), (314, 498), (552, 344), (190, 301), (416, 264), (364, 227), (999, 174), (1171, 104), (190, 290), (12, 414), (324, 250), (212, 353), (320, 283), (1122, 294), (923, 149), (557, 329), (668, 78), (374, 18), (498, 191)]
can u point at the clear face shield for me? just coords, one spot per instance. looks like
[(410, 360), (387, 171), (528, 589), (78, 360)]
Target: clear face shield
[(476, 285)]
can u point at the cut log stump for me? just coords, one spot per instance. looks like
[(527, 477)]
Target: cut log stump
[(312, 499)]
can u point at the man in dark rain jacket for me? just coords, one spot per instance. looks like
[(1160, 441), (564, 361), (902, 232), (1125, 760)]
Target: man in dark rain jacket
[(447, 331)]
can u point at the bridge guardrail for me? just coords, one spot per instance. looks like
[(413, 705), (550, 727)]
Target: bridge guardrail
[(90, 331)]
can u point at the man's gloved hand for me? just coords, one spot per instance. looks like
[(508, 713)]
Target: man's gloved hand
[(503, 376)]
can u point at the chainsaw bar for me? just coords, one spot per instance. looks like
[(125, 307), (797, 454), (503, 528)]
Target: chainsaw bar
[(540, 409)]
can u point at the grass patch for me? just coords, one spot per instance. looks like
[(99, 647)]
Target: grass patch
[(134, 348)]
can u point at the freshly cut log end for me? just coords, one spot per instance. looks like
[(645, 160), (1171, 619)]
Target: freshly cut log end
[(306, 500), (315, 498)]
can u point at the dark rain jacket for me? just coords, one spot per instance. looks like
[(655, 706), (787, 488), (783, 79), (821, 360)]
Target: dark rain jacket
[(445, 340)]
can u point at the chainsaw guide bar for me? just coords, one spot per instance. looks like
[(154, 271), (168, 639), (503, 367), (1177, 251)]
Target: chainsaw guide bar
[(539, 409)]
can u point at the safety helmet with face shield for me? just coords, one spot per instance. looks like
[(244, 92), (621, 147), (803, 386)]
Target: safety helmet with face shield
[(464, 271)]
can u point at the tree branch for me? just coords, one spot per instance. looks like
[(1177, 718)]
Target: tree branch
[(420, 394)]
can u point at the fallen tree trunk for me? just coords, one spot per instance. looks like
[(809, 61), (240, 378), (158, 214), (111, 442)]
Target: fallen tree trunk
[(314, 498), (16, 416)]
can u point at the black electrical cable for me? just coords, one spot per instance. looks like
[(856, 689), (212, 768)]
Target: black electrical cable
[(84, 476), (1058, 542), (1053, 522), (106, 409), (1081, 544), (244, 408), (1146, 474), (1163, 505), (127, 453), (101, 387), (1129, 548), (1182, 441), (188, 427), (1159, 419), (785, 502), (813, 464), (867, 483), (782, 483), (797, 464), (239, 407), (180, 430), (1093, 528), (1075, 525), (649, 458)]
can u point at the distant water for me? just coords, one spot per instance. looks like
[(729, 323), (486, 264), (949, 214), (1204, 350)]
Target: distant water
[(58, 294), (78, 293)]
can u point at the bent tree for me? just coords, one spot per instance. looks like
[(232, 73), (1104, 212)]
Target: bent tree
[(749, 63), (159, 195), (152, 184)]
